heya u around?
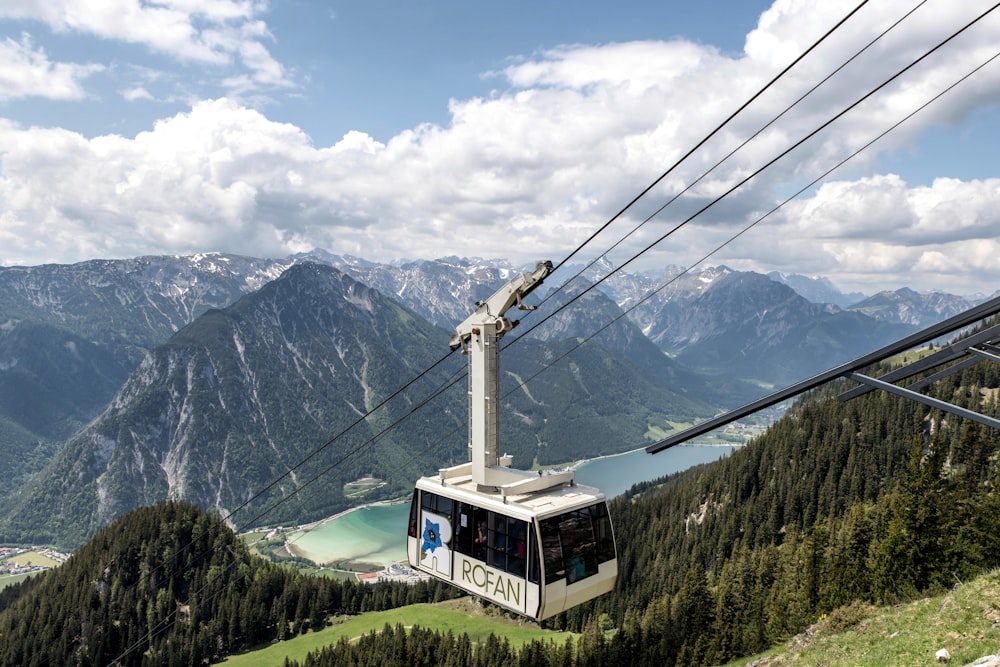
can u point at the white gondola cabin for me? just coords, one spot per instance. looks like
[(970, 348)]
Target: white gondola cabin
[(534, 543), (537, 554)]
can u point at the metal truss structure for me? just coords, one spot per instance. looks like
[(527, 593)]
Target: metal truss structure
[(972, 349)]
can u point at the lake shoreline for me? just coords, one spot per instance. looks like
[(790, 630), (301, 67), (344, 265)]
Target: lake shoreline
[(577, 464), (355, 541), (297, 532), (306, 527)]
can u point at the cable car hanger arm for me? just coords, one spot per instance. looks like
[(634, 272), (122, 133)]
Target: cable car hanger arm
[(495, 308)]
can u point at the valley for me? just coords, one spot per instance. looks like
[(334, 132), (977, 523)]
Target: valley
[(499, 334), (809, 521), (218, 378), (370, 537), (293, 388)]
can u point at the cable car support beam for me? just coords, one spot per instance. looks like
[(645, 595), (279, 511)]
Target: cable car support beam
[(984, 340), (479, 338), (926, 400)]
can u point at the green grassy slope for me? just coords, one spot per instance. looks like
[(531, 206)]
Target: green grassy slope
[(460, 616), (965, 621)]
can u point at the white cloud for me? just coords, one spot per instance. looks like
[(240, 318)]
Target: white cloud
[(190, 183), (531, 172), (789, 26), (876, 232), (637, 65), (885, 207), (869, 207), (215, 32), (266, 70), (26, 71), (136, 93)]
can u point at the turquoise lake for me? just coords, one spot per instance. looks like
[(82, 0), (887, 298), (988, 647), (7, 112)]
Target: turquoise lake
[(377, 534)]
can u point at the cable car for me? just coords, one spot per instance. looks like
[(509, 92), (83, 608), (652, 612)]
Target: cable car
[(536, 554), (534, 543)]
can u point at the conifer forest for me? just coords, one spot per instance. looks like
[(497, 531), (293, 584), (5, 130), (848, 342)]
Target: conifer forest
[(878, 499)]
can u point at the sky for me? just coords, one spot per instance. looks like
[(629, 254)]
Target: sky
[(397, 130)]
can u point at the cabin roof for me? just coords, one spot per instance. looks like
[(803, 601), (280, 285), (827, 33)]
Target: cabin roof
[(540, 504)]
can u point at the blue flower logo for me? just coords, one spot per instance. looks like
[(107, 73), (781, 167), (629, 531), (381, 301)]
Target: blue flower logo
[(432, 536)]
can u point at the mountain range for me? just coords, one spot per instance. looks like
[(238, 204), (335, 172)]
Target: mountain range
[(209, 377)]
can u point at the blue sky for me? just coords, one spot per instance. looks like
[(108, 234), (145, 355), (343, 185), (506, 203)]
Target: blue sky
[(380, 67), (388, 66), (394, 130)]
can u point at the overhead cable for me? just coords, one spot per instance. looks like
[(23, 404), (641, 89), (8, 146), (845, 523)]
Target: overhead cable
[(767, 165), (155, 631)]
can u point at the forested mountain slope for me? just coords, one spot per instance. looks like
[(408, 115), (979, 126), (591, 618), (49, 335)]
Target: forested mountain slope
[(878, 499), (172, 585), (746, 325), (581, 310), (238, 398), (54, 381)]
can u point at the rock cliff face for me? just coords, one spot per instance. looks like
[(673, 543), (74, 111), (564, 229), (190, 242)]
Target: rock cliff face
[(130, 305), (236, 399), (730, 324), (209, 377), (224, 411), (441, 290), (909, 307)]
